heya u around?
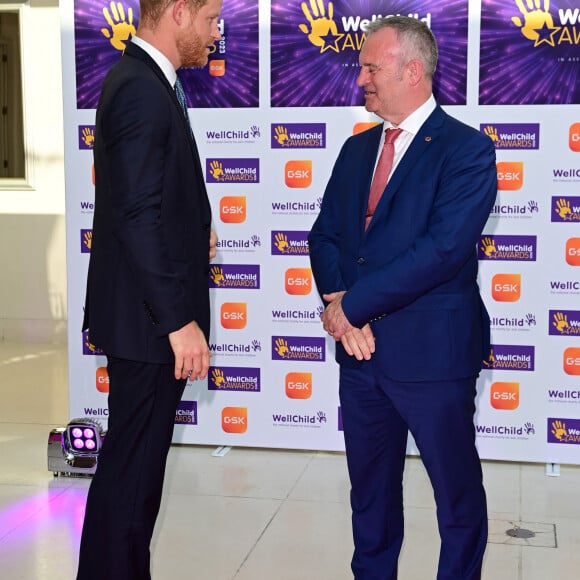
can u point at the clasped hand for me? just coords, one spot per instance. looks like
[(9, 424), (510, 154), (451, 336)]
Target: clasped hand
[(358, 342)]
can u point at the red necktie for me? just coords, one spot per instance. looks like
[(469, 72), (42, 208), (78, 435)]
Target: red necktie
[(382, 172)]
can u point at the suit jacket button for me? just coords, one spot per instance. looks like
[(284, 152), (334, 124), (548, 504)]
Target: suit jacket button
[(361, 260)]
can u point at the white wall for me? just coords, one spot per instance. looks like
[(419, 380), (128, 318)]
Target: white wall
[(32, 225)]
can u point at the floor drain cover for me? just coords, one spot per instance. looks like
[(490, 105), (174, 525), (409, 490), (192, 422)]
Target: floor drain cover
[(520, 533)]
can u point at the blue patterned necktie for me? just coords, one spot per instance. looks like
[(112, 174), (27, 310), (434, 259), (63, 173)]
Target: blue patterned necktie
[(180, 93)]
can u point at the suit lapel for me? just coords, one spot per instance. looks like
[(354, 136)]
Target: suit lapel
[(424, 139), (367, 165), (137, 52)]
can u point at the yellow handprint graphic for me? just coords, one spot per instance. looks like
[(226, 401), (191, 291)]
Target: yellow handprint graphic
[(281, 347), (537, 20), (217, 376), (560, 322), (281, 135), (488, 247), (88, 137), (216, 170), (281, 242), (559, 430), (217, 275), (323, 31), (563, 208), (491, 132), (121, 29), (88, 239)]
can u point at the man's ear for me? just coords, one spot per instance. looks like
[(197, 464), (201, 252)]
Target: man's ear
[(178, 9), (415, 71)]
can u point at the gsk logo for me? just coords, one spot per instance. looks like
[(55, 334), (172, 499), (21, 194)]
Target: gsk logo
[(217, 68), (233, 209), (299, 385), (361, 127), (510, 175), (298, 281), (102, 379), (505, 396), (572, 361), (574, 137), (573, 251), (506, 287), (235, 419), (234, 315), (298, 173)]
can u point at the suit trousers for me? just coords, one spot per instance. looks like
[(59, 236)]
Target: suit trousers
[(125, 493), (377, 414)]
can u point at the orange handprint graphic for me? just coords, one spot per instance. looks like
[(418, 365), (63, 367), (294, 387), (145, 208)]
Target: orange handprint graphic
[(323, 31), (563, 208), (120, 29), (281, 347), (536, 20)]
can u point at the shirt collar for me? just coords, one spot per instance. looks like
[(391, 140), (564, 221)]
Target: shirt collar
[(415, 120), (160, 59)]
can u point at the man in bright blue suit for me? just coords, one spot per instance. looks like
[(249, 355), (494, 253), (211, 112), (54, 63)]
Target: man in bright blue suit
[(402, 302)]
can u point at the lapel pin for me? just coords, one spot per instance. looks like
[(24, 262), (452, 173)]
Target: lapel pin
[(427, 139)]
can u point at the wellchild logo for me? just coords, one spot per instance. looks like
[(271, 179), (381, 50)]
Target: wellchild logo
[(298, 136), (298, 348), (86, 241), (507, 248), (506, 431), (509, 357), (186, 413), (315, 420), (250, 135), (234, 379), (289, 243), (295, 315), (247, 245), (238, 276), (566, 209), (300, 208), (86, 136), (513, 135), (87, 207), (521, 324), (564, 322), (241, 349), (233, 170), (514, 211), (564, 395), (571, 175), (566, 431), (564, 287)]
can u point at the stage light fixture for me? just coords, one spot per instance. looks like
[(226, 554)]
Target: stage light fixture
[(73, 450)]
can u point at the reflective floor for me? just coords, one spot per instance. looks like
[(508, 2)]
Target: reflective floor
[(253, 514)]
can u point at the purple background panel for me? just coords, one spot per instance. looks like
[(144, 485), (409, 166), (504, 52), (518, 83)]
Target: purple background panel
[(95, 54), (307, 75), (529, 57)]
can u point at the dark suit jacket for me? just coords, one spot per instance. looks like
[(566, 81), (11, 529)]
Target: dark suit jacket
[(148, 270), (415, 268)]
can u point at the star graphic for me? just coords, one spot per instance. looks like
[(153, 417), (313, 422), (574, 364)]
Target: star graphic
[(546, 34), (330, 41)]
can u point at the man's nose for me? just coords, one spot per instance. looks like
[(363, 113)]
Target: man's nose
[(361, 80)]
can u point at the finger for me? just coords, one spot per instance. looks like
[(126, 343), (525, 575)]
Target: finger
[(330, 297), (204, 365), (346, 345), (178, 367)]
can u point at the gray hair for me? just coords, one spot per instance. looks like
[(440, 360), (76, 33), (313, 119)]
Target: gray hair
[(415, 37)]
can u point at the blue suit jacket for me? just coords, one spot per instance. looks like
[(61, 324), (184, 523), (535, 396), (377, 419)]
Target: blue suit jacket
[(148, 270), (414, 270)]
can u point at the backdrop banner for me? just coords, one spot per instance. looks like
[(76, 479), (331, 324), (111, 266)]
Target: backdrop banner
[(270, 113)]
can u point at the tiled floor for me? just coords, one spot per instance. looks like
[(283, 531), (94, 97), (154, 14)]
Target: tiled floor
[(253, 514)]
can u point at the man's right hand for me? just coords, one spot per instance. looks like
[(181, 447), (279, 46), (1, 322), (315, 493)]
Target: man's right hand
[(359, 342), (191, 352)]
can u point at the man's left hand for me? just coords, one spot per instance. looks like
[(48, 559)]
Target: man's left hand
[(334, 320)]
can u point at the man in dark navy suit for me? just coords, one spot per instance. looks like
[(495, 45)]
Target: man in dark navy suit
[(147, 302), (397, 270)]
